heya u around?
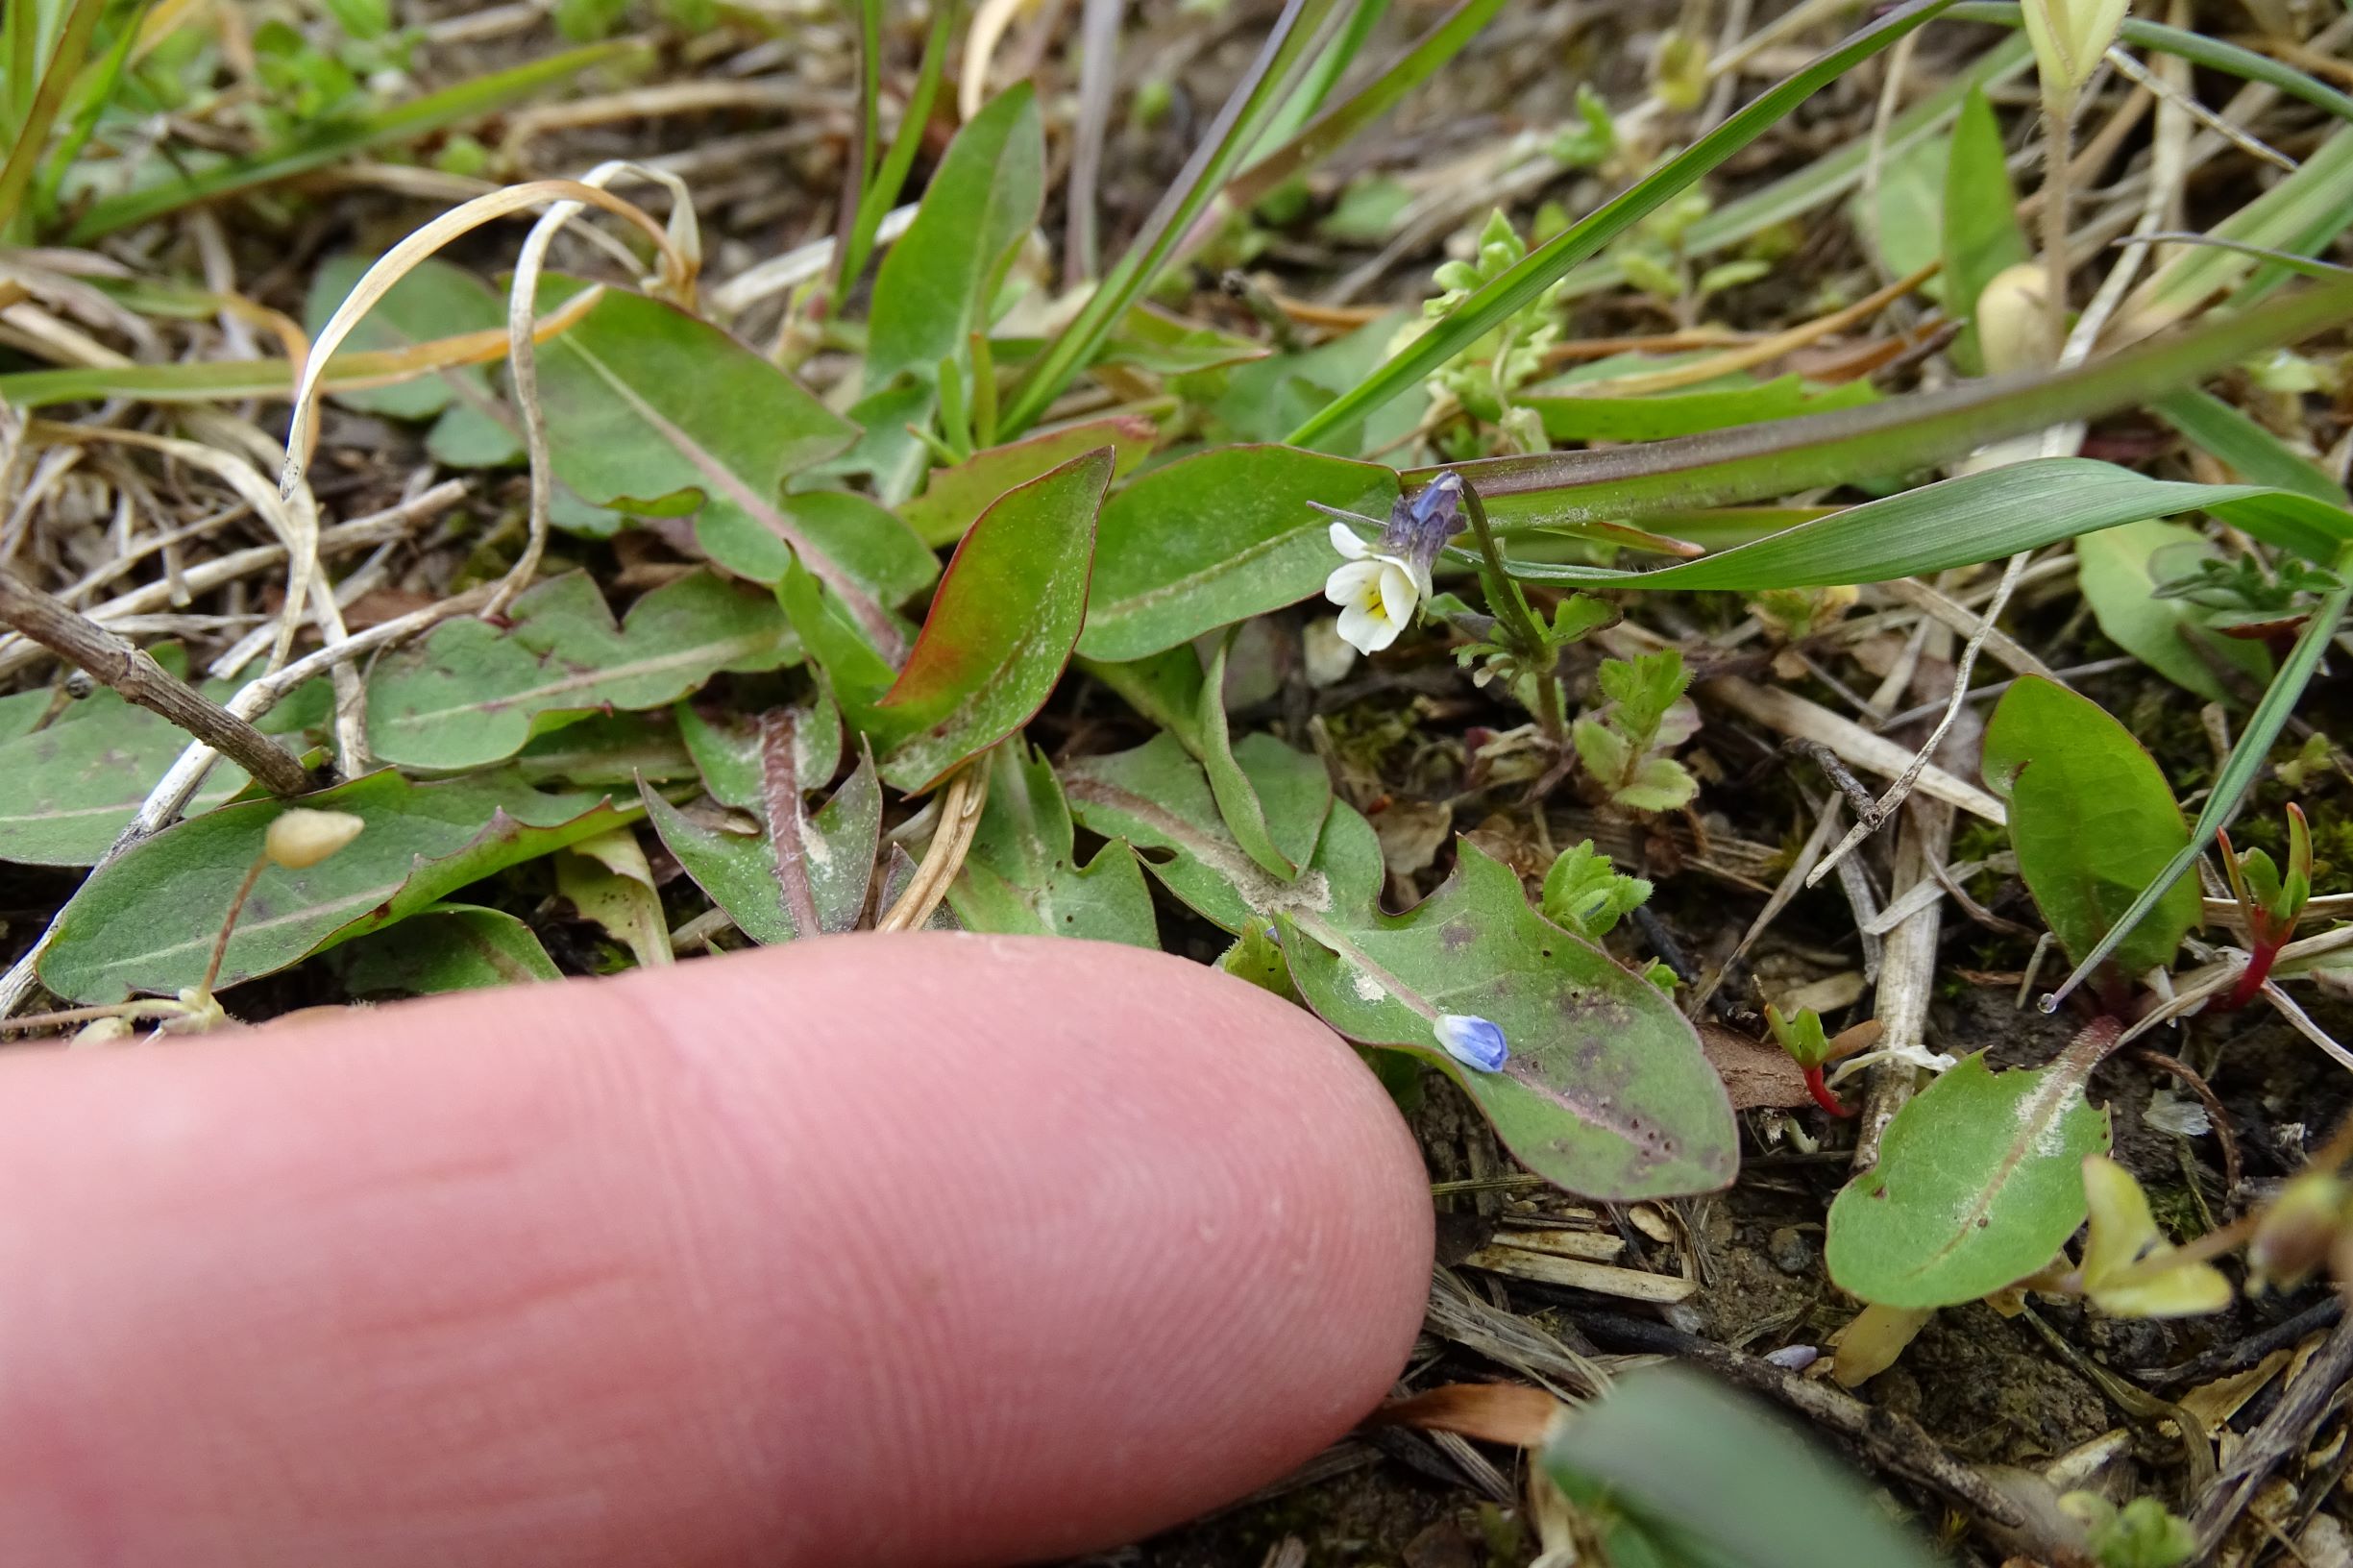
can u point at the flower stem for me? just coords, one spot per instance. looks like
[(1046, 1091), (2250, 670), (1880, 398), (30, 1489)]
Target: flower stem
[(2259, 961), (2058, 152), (228, 924), (1521, 630)]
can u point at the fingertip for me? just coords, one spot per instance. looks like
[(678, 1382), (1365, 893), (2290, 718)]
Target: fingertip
[(908, 1250)]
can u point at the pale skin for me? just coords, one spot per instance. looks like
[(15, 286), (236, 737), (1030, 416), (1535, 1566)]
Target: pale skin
[(917, 1250)]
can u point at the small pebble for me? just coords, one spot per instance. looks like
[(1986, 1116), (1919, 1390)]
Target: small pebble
[(1791, 1250), (1794, 1358)]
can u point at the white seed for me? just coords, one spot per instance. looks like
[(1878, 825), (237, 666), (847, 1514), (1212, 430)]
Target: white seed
[(302, 838)]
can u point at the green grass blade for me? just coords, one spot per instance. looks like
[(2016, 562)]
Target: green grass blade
[(1536, 272), (57, 80), (1884, 438), (2237, 777), (1335, 125), (435, 111), (1321, 77), (1228, 140), (882, 191), (2194, 47), (2223, 432)]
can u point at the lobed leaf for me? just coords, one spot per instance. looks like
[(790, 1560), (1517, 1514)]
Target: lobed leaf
[(1023, 875), (469, 693)]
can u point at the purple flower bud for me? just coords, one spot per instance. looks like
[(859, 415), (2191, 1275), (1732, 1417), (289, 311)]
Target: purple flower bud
[(1474, 1041), (1420, 523)]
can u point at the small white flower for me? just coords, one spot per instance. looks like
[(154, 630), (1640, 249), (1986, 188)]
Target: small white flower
[(1474, 1041), (1377, 594)]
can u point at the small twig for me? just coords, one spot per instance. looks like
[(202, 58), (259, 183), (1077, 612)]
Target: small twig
[(2305, 1403), (1857, 793), (73, 637), (959, 819)]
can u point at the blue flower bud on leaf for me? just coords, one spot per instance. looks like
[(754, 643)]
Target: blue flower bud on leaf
[(1474, 1041)]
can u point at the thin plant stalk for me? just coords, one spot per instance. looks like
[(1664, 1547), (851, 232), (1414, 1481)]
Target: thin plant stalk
[(1516, 621)]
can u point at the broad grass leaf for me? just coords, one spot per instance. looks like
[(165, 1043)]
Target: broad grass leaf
[(469, 693), (1218, 538), (2114, 569), (1001, 627), (2249, 450), (1607, 1091), (1979, 1180), (446, 947), (1982, 234), (1980, 517), (1700, 1475), (146, 922), (651, 410), (1023, 875), (956, 497), (2301, 214), (2090, 819), (1891, 436), (938, 284), (1570, 417), (829, 856)]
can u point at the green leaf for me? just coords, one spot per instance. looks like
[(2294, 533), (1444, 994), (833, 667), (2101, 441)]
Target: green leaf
[(1982, 234), (1978, 517), (731, 753), (1238, 800), (651, 410), (446, 947), (1227, 141), (2123, 1235), (1218, 538), (2248, 758), (1606, 1092), (1263, 400), (1022, 877), (1979, 1179), (1526, 281), (609, 884), (818, 870), (1001, 627), (957, 496), (2113, 569), (1163, 687), (2300, 214), (189, 178), (1570, 417), (2091, 819), (1158, 799), (68, 790), (1890, 437), (938, 284), (2255, 453), (145, 922), (1705, 1478), (469, 694), (1904, 217)]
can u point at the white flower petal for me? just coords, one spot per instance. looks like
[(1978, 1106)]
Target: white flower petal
[(1344, 540), (1353, 582), (1366, 630), (1399, 592)]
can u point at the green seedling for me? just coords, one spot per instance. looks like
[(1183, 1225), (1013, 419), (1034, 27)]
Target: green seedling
[(2270, 901), (1585, 893), (1803, 1037), (1624, 745), (2141, 1534)]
